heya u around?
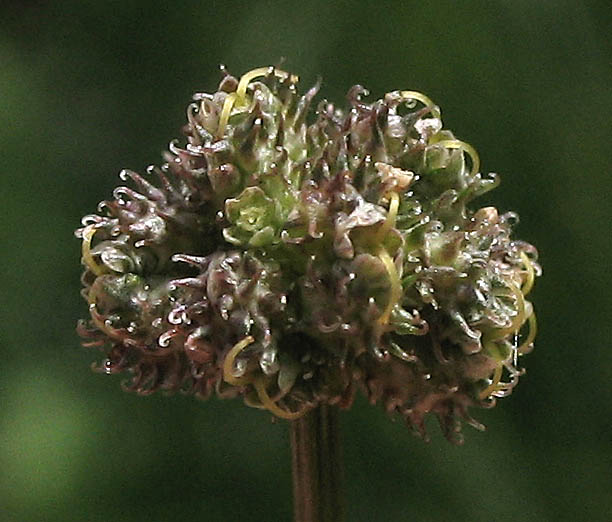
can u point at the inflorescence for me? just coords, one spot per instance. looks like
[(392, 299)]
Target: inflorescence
[(293, 260)]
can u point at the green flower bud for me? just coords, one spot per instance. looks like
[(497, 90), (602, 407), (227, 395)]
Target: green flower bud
[(294, 260), (252, 216)]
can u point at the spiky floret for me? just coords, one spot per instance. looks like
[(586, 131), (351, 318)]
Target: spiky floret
[(293, 262)]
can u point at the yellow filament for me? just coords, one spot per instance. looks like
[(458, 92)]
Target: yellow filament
[(239, 97), (225, 112), (530, 274), (465, 147), (413, 95), (494, 382), (257, 382), (518, 320), (261, 71), (391, 216), (533, 328), (228, 364), (88, 235), (520, 316), (387, 260), (269, 404), (493, 350), (396, 285)]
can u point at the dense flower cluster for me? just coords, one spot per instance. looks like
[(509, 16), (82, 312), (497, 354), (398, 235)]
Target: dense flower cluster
[(294, 260)]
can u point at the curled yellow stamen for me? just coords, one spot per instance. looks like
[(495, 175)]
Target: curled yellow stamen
[(465, 147), (228, 364), (391, 216), (258, 382), (225, 112), (261, 71), (387, 260), (530, 274), (269, 404), (239, 97), (533, 328), (494, 351), (396, 285), (497, 374), (518, 320), (88, 234), (520, 316), (414, 95)]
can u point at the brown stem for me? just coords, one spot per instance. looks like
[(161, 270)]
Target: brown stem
[(317, 466)]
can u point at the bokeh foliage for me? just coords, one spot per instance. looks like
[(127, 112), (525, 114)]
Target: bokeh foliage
[(87, 88)]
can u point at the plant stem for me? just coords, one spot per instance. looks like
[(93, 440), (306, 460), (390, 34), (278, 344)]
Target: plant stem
[(317, 466)]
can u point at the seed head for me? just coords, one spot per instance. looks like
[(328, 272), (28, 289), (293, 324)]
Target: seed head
[(295, 260)]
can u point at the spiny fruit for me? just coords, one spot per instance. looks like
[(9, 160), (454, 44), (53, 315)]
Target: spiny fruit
[(294, 259)]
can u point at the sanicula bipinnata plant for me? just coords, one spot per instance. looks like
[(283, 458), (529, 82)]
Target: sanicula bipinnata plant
[(293, 256)]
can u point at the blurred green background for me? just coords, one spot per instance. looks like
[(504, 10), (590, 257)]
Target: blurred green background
[(87, 88)]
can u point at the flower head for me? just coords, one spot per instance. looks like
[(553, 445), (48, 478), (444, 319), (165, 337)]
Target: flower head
[(293, 262)]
